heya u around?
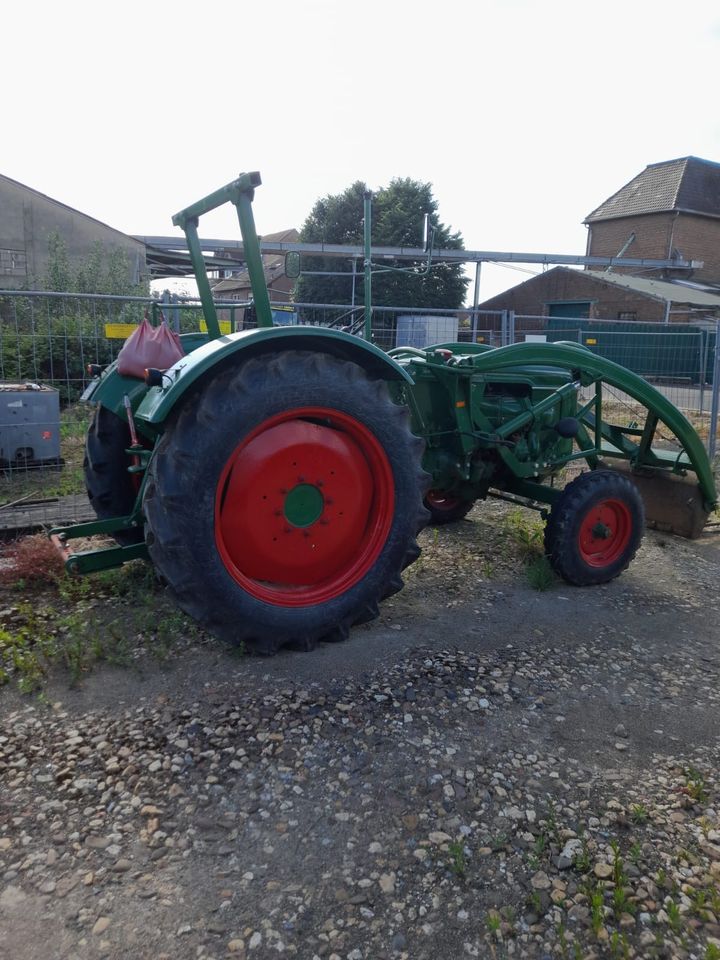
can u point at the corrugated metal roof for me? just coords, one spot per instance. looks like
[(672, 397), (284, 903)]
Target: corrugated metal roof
[(660, 289), (689, 184)]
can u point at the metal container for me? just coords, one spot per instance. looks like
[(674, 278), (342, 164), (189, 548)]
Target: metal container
[(29, 425), (424, 331)]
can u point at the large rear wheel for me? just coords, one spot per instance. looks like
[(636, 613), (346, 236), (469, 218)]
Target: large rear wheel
[(595, 528), (284, 500), (110, 488)]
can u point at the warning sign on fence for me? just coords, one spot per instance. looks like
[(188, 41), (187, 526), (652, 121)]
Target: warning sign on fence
[(119, 331)]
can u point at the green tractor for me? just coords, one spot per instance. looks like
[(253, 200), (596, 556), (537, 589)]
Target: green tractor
[(277, 478)]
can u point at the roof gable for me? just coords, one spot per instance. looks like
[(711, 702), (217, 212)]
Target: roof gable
[(687, 184)]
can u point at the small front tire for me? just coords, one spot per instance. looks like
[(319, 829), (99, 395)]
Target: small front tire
[(595, 528)]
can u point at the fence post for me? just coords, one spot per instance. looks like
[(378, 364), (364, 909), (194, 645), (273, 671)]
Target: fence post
[(715, 405)]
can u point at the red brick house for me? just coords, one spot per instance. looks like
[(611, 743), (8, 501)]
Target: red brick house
[(671, 209)]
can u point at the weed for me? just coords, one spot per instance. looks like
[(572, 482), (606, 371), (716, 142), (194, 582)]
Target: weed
[(619, 946), (458, 860), (635, 852), (540, 574), (26, 652), (493, 921), (695, 788), (639, 813), (527, 534), (582, 862), (562, 941), (596, 899), (488, 569), (553, 827), (31, 560), (536, 852), (712, 952), (675, 918), (661, 878), (534, 902)]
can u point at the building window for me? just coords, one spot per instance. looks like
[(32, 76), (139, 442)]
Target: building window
[(13, 262), (627, 315)]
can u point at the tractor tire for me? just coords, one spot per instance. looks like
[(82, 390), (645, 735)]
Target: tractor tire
[(110, 488), (595, 528), (284, 501), (445, 508)]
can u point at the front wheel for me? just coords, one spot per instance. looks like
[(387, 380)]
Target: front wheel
[(595, 528), (284, 500)]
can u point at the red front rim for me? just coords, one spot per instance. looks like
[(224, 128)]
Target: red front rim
[(304, 506), (439, 501), (605, 533)]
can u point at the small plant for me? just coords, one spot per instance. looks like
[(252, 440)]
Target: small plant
[(695, 788), (540, 574), (661, 878), (712, 952), (527, 534), (562, 941), (635, 852), (31, 560), (582, 861), (534, 902), (458, 860), (675, 918), (639, 813), (596, 899), (619, 946), (536, 852), (493, 921)]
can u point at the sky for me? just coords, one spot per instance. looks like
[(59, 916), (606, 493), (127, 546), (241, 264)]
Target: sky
[(524, 115)]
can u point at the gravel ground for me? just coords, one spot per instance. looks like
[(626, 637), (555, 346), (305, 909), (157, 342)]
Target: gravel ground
[(486, 771)]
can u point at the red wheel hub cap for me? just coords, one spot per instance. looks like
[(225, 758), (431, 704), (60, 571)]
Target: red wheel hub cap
[(605, 532), (304, 506)]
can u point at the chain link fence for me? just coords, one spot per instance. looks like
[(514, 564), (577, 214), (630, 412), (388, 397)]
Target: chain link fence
[(47, 341)]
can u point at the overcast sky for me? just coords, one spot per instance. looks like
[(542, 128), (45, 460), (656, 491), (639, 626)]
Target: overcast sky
[(523, 115)]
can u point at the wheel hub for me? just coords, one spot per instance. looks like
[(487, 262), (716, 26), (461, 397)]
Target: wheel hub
[(304, 504), (605, 532)]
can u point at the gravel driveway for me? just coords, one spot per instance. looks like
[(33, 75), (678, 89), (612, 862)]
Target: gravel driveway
[(486, 771)]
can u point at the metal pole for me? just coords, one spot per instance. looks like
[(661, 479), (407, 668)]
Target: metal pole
[(476, 300), (367, 231), (712, 438)]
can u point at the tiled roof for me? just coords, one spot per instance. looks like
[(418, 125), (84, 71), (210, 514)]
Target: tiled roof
[(688, 184)]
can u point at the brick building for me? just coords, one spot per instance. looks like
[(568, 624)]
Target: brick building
[(670, 210)]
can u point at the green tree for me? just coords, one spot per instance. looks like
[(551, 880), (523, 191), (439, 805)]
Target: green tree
[(398, 212)]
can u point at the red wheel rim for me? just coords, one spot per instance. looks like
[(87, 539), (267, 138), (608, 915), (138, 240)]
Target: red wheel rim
[(304, 506), (605, 533), (440, 501)]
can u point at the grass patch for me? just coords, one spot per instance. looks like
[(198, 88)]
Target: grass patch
[(118, 617), (540, 575)]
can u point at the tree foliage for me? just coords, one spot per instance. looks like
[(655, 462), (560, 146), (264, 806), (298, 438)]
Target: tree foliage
[(397, 220)]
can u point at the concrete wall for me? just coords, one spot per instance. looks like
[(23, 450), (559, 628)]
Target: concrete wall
[(27, 218)]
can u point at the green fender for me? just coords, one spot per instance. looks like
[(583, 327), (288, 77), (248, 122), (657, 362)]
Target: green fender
[(574, 358), (238, 347)]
